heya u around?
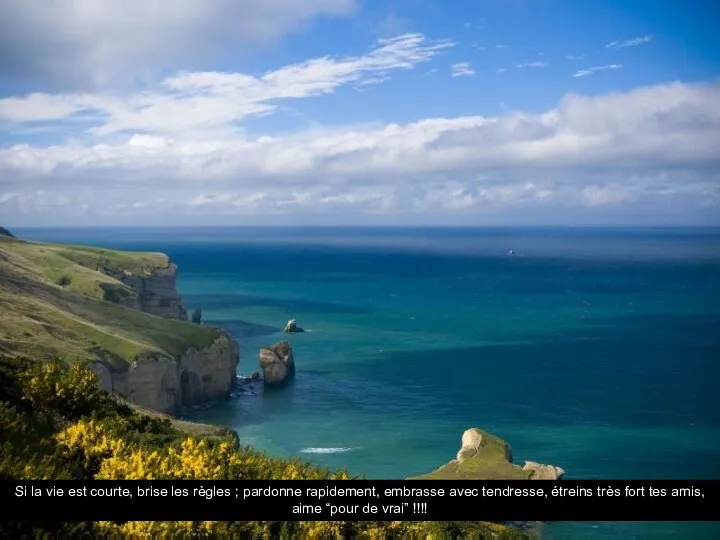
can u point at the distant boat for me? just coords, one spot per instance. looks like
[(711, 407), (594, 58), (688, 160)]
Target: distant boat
[(511, 252)]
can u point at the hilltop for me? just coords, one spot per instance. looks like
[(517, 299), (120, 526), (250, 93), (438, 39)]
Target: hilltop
[(101, 308)]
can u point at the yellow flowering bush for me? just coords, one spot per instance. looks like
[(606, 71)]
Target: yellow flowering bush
[(56, 424)]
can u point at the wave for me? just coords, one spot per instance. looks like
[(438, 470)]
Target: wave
[(325, 450)]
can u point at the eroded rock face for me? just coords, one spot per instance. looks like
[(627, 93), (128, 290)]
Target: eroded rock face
[(543, 472), (471, 442), (277, 363), (154, 292), (168, 385)]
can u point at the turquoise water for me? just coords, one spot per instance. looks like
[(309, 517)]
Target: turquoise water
[(593, 349)]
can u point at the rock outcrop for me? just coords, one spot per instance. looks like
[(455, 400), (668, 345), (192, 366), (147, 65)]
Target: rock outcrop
[(483, 456), (292, 327), (277, 363), (153, 291), (166, 384), (5, 232), (543, 472)]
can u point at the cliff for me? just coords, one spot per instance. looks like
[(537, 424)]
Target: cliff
[(117, 312), (484, 456), (162, 383), (152, 290)]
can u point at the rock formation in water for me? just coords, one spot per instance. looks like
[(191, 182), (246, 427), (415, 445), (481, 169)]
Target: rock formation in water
[(167, 384), (277, 363), (292, 327), (483, 456), (5, 232), (154, 291), (196, 316)]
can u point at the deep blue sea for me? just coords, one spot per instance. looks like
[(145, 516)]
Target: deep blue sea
[(597, 350)]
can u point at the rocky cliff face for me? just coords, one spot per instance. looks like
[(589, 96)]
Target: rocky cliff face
[(154, 292), (166, 384), (158, 381)]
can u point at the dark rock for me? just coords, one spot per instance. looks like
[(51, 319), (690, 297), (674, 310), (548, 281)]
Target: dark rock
[(291, 327)]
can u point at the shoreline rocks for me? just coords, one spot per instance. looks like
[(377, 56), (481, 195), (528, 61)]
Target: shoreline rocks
[(277, 363)]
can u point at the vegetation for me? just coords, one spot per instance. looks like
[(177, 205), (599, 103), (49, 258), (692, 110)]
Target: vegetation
[(62, 306), (63, 301), (492, 461), (55, 423)]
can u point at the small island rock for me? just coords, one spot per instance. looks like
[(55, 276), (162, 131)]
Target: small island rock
[(292, 327), (277, 363)]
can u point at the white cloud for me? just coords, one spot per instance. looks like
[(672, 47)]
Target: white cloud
[(95, 42), (575, 56), (605, 195), (653, 147), (592, 70), (501, 70), (629, 42), (462, 69), (195, 102), (535, 64)]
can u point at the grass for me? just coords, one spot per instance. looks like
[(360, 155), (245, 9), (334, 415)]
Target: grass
[(492, 461), (53, 303), (194, 429)]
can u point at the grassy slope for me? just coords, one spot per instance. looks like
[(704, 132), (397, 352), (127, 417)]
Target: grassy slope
[(489, 463), (51, 304)]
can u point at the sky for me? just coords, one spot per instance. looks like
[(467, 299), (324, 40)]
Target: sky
[(359, 112)]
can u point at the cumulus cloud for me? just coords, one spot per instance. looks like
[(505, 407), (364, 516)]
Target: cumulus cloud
[(81, 43), (629, 42), (592, 70), (179, 150), (462, 69)]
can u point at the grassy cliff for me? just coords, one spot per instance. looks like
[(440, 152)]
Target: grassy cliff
[(59, 310), (490, 460), (60, 301)]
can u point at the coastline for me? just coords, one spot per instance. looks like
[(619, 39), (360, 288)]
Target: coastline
[(629, 343)]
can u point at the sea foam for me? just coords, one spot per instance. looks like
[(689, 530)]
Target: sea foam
[(325, 450)]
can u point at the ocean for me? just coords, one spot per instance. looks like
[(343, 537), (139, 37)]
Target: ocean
[(597, 350)]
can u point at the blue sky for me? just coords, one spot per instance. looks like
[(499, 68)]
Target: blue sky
[(142, 112)]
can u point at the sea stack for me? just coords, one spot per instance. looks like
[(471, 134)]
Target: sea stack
[(292, 327), (277, 363)]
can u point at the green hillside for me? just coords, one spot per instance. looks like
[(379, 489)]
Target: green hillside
[(58, 301)]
